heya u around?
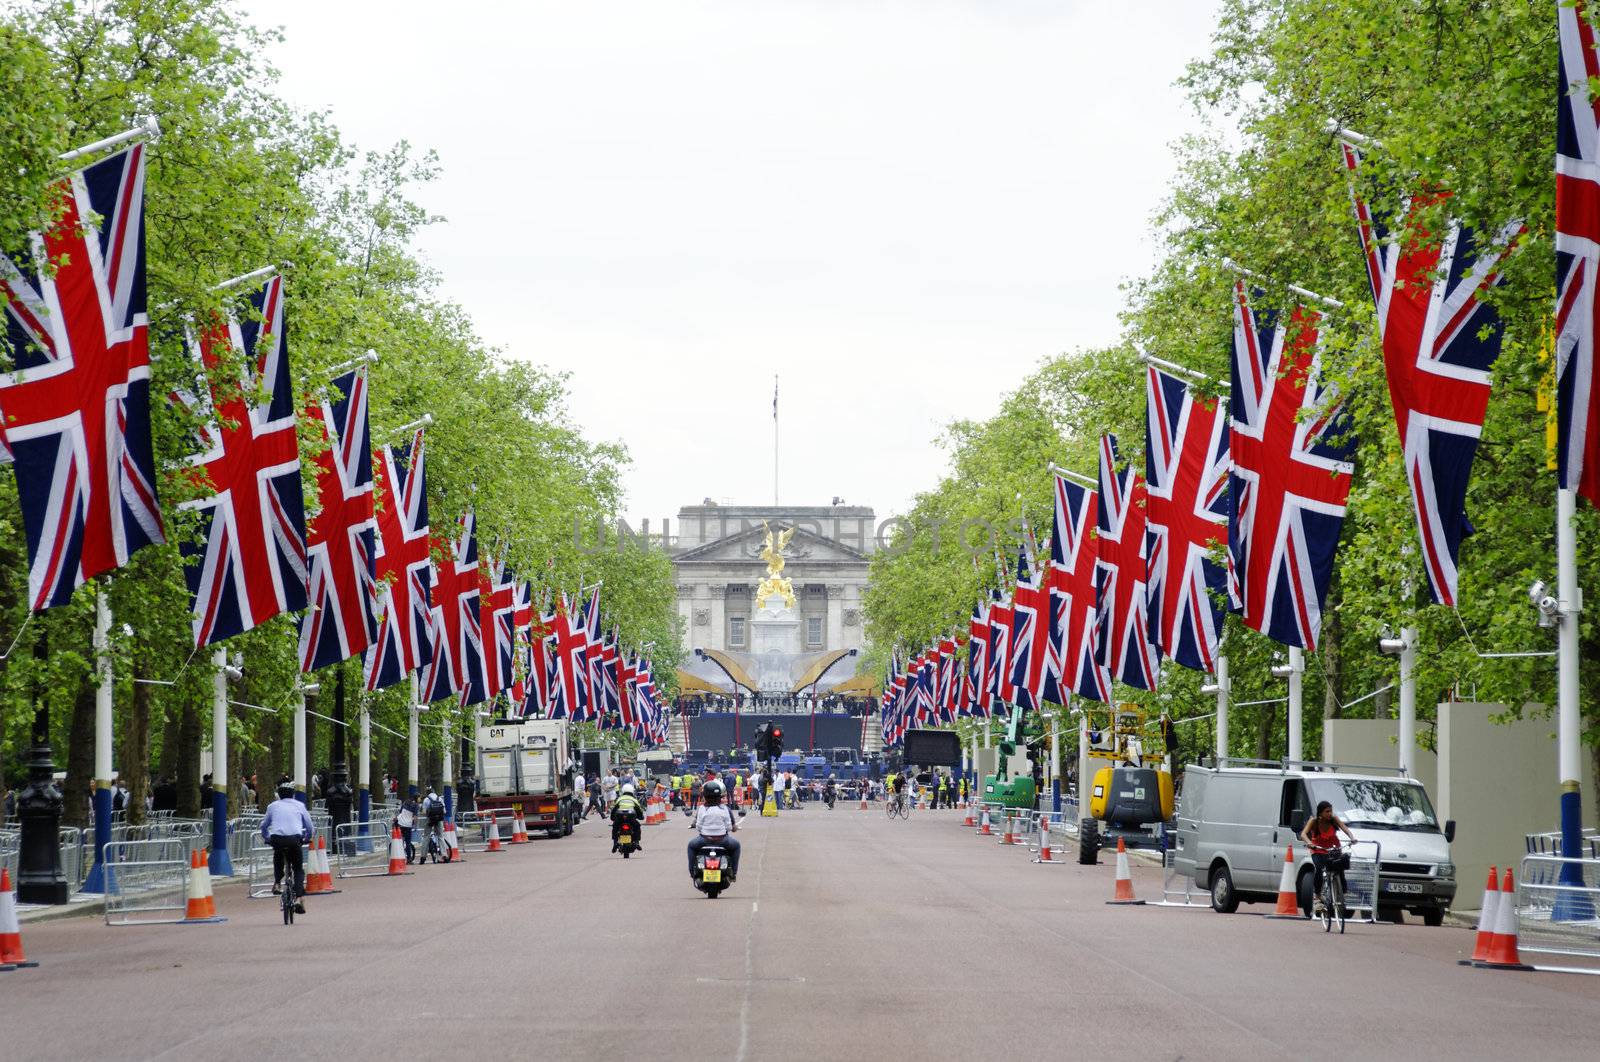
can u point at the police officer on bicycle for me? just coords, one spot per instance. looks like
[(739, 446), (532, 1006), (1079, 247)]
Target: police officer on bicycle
[(286, 826)]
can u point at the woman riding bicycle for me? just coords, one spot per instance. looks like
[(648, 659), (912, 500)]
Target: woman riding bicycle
[(1321, 835)]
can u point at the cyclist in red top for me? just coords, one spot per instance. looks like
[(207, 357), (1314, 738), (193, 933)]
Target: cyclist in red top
[(1321, 835)]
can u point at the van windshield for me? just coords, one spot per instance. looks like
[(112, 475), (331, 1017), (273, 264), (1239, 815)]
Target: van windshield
[(1376, 804)]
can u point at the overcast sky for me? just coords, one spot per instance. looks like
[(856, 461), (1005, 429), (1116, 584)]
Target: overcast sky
[(900, 206)]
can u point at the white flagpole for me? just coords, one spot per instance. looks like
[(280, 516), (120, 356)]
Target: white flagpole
[(774, 440)]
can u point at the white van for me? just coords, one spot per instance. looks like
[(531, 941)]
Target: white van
[(1235, 824)]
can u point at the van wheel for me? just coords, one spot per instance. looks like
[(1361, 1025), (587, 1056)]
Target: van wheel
[(1303, 893), (1088, 842), (1223, 899), (1433, 917)]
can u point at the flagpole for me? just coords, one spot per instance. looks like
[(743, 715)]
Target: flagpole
[(1569, 605), (774, 440)]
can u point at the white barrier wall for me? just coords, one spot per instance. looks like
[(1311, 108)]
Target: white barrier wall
[(1374, 743), (1497, 781), (1499, 784)]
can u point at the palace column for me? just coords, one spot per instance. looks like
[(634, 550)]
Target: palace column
[(718, 638), (833, 637)]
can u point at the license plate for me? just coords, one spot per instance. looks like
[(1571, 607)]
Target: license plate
[(711, 875), (1401, 886)]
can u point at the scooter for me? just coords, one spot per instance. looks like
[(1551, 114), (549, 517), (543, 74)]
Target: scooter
[(711, 870), (627, 840)]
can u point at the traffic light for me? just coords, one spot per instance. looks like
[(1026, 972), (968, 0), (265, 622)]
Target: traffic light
[(775, 742)]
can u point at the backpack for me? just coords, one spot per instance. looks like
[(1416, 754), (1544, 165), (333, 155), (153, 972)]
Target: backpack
[(436, 812)]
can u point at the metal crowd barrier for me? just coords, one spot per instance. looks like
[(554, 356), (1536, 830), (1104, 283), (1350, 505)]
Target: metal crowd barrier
[(1172, 895), (146, 881), (472, 830), (362, 848), (1556, 917)]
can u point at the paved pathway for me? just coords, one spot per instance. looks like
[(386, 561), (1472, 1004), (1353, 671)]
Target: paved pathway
[(846, 937)]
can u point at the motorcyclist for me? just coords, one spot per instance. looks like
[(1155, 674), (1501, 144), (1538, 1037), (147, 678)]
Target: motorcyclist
[(715, 824), (626, 808), (829, 794)]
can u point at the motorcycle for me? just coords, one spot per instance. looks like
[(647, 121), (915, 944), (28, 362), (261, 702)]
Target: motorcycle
[(711, 870), (627, 840)]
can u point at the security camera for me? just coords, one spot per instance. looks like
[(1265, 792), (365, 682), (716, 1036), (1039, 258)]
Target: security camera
[(1389, 645), (1280, 667), (311, 689), (1536, 591), (1211, 689), (234, 674)]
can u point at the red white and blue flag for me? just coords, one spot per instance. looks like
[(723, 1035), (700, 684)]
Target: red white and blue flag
[(1439, 340), (1122, 637), (76, 408), (570, 690), (457, 667), (498, 594), (1073, 668), (1291, 449), (999, 679), (247, 561), (340, 621), (593, 653), (1186, 517), (404, 567), (1030, 632), (1577, 253), (977, 699)]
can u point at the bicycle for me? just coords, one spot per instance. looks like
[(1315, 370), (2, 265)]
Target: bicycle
[(898, 804), (1333, 889), (289, 893), (437, 852)]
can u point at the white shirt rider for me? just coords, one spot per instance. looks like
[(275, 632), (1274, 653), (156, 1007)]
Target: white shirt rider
[(715, 822)]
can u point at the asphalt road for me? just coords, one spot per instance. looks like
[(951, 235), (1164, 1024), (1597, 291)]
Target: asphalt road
[(847, 937)]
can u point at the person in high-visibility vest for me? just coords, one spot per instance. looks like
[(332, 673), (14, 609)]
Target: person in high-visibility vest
[(943, 797)]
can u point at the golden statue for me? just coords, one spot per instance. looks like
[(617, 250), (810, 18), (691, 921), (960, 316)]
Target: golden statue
[(775, 585)]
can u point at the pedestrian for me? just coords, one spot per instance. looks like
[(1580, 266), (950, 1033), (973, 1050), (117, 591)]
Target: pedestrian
[(608, 791), (404, 820), (580, 793), (595, 803), (941, 796)]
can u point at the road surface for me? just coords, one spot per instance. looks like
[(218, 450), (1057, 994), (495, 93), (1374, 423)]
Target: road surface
[(847, 937)]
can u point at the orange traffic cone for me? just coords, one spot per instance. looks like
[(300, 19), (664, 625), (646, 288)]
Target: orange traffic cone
[(1488, 916), (452, 843), (11, 954), (519, 829), (1008, 837), (1124, 890), (207, 897), (194, 893), (1044, 842), (983, 827), (969, 820), (1503, 945), (1288, 897), (863, 806), (319, 875), (397, 854), (494, 834)]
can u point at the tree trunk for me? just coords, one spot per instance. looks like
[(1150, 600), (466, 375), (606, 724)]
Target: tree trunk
[(80, 757), (1332, 657), (136, 748), (171, 734), (1269, 720), (187, 756)]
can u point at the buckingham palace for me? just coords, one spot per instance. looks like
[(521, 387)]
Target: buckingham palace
[(720, 560)]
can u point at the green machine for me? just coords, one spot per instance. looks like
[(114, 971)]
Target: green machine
[(1001, 788)]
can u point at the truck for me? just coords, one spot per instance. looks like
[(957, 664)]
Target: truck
[(526, 765), (596, 762)]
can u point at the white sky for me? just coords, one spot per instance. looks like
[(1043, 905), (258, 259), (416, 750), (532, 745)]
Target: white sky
[(901, 206)]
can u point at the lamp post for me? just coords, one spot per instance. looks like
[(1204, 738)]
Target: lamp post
[(339, 795), (1222, 686), (39, 877), (1405, 647)]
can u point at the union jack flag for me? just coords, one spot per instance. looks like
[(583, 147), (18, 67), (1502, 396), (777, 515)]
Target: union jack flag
[(1290, 476), (497, 608), (975, 690), (248, 561), (949, 678), (1030, 633), (1439, 340), (569, 692), (340, 622), (1074, 669), (404, 567), (999, 678), (457, 667), (592, 655), (610, 689), (77, 405), (1186, 515), (1122, 637), (1577, 253)]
